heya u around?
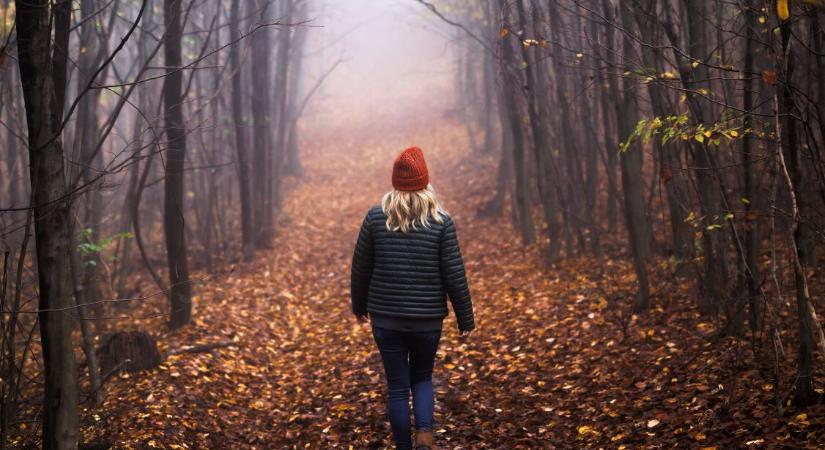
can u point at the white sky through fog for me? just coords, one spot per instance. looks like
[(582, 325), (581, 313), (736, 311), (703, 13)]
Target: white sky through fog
[(396, 55)]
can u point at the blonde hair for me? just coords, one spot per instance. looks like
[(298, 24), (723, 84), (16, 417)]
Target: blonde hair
[(407, 210)]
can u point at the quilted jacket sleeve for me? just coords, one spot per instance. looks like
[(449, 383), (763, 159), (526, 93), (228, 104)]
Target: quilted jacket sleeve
[(454, 277), (362, 262)]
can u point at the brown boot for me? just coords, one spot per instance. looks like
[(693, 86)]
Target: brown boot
[(424, 440)]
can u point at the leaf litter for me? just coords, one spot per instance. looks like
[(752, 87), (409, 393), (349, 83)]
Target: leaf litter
[(548, 367)]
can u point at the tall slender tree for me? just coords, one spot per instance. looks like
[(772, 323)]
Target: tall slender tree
[(282, 69), (42, 67), (511, 77), (299, 40), (180, 289), (247, 227), (262, 131), (537, 108)]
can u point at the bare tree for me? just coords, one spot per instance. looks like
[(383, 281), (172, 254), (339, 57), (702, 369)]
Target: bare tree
[(180, 289), (263, 156), (43, 76), (247, 226)]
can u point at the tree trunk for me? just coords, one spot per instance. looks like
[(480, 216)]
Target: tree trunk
[(587, 132), (592, 181), (610, 140), (511, 80), (749, 272), (818, 22), (495, 206), (790, 159), (40, 75), (14, 158), (488, 83), (247, 227), (713, 257), (85, 331), (180, 290), (126, 218), (537, 101), (569, 195), (281, 98), (261, 130), (203, 180), (85, 148), (130, 205), (293, 155), (630, 162), (671, 171), (465, 78)]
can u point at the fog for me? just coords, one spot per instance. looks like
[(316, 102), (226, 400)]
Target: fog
[(395, 63)]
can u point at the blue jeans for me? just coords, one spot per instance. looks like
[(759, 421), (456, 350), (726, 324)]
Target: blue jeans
[(408, 358)]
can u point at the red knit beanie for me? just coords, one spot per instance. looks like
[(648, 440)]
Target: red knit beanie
[(409, 173)]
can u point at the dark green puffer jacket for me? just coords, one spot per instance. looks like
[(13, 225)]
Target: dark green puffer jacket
[(409, 275)]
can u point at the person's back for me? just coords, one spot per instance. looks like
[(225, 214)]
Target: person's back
[(412, 273), (405, 265)]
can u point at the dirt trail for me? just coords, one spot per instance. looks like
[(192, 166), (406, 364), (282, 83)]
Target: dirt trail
[(546, 367)]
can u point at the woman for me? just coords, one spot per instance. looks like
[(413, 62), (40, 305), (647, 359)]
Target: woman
[(406, 262)]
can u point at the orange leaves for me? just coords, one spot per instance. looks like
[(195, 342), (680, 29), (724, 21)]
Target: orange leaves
[(783, 10)]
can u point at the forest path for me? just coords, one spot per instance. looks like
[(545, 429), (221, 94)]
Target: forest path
[(544, 368)]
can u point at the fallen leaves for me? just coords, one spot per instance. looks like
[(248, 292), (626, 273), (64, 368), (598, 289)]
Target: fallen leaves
[(548, 366), (783, 10)]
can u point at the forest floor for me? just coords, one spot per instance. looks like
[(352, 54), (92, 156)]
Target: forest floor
[(548, 367)]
